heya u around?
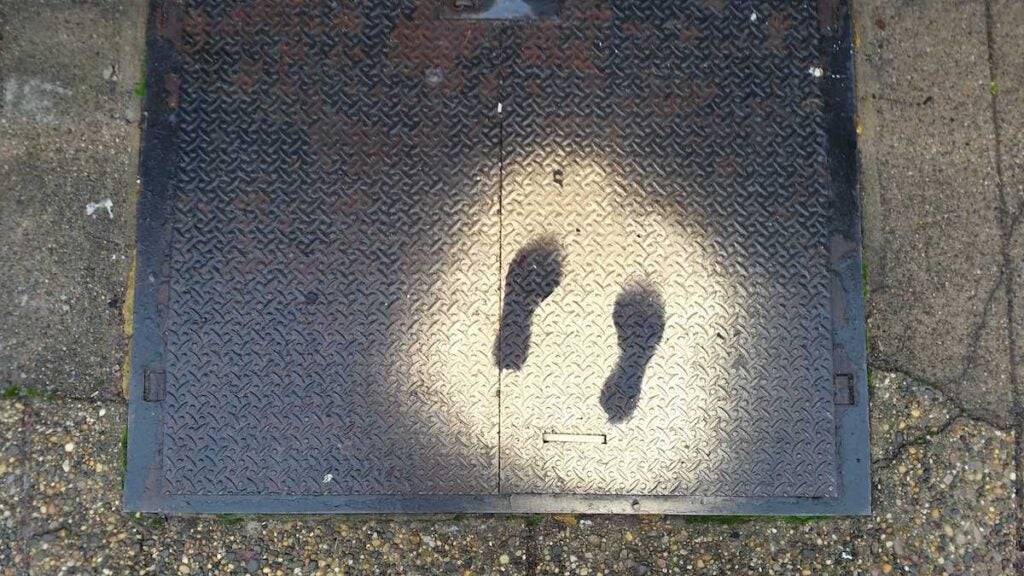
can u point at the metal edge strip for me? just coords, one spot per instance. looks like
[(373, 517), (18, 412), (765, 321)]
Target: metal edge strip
[(143, 474), (504, 503), (848, 312)]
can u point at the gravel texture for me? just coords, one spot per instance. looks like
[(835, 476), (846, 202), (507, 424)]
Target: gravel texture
[(73, 517), (12, 476)]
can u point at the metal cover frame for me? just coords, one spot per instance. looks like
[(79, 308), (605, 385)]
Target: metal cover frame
[(143, 475)]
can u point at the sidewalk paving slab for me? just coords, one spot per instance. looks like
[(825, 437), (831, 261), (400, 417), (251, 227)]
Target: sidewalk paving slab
[(933, 243), (68, 137)]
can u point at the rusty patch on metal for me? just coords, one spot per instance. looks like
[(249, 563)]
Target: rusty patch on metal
[(172, 86), (169, 22), (778, 26), (828, 15)]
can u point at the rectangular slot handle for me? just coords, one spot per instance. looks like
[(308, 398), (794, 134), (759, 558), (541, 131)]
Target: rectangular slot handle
[(576, 438)]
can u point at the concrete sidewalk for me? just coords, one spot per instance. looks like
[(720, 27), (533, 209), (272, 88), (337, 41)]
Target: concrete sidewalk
[(941, 105)]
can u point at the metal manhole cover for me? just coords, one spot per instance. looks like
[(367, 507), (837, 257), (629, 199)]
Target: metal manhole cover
[(392, 261)]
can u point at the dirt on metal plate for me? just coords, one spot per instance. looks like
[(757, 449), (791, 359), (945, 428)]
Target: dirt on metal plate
[(599, 256)]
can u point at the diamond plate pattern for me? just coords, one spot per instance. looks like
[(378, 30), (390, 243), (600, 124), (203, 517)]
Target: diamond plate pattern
[(404, 248), (334, 253), (676, 151)]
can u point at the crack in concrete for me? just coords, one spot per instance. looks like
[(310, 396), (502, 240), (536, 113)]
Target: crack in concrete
[(922, 439), (970, 362), (1009, 215), (969, 413), (1008, 222), (1004, 284)]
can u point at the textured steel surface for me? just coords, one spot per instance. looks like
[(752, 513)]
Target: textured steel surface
[(392, 261), (334, 254), (675, 151)]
